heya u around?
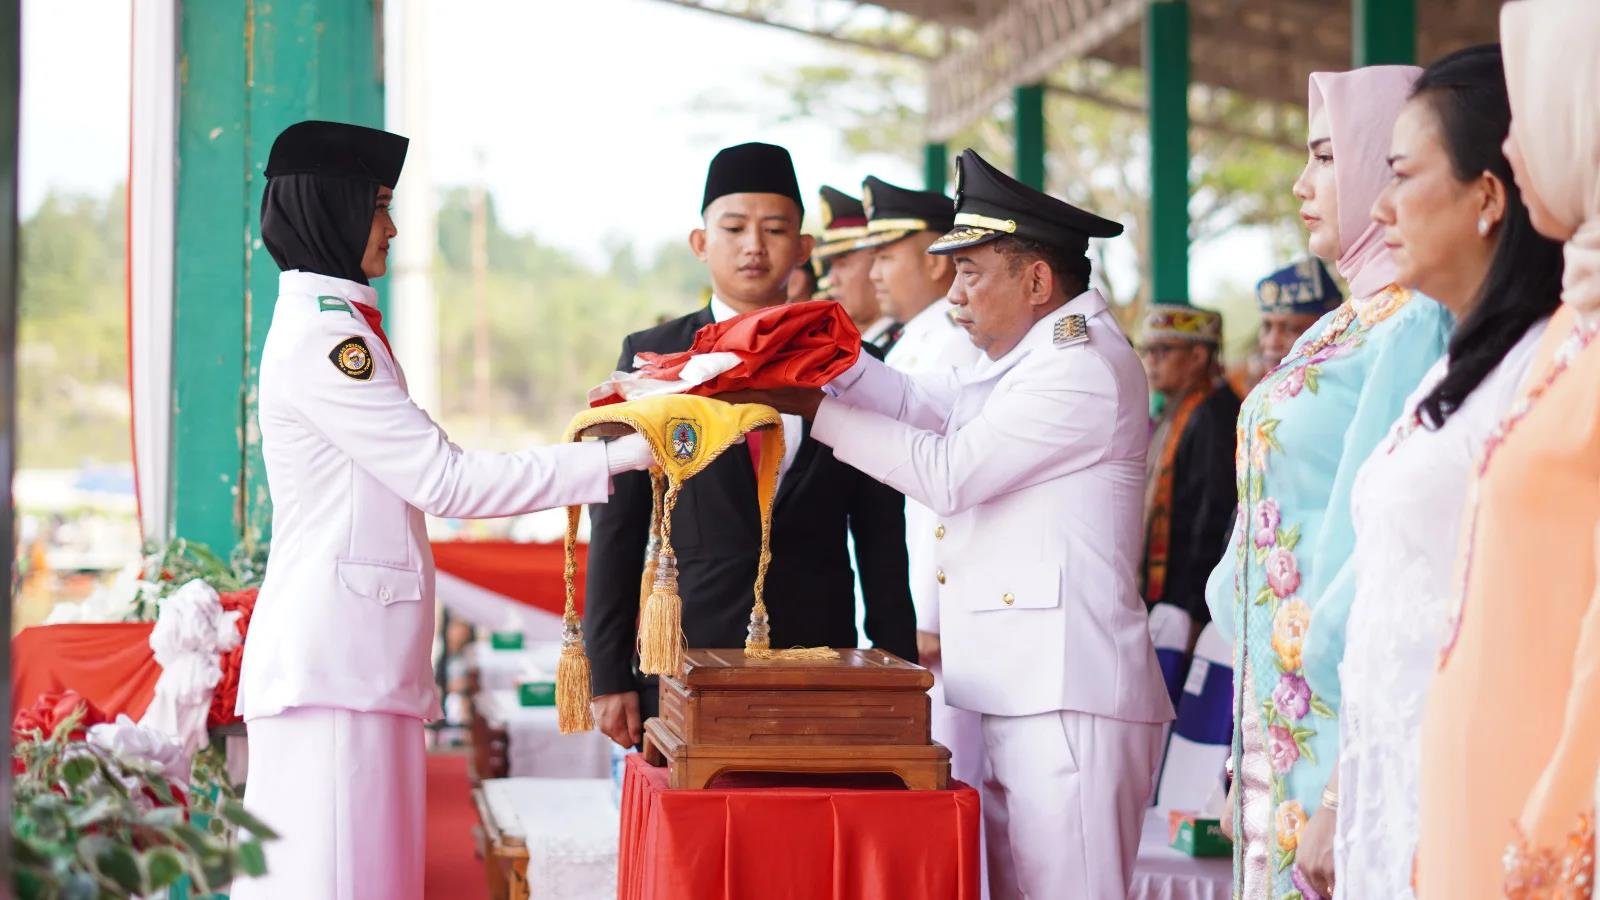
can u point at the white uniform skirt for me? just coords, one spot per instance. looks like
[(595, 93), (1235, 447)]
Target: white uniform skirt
[(346, 793)]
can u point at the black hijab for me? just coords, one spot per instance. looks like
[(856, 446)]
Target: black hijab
[(319, 223)]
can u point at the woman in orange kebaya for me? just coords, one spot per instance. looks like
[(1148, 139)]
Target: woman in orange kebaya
[(1511, 739)]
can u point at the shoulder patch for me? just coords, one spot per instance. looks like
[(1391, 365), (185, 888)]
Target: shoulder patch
[(335, 304), (353, 359), (1071, 330)]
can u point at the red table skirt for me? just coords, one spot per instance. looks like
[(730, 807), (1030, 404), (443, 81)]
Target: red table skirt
[(531, 574), (110, 664), (751, 838)]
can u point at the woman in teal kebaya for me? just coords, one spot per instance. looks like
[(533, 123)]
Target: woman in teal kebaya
[(1303, 433)]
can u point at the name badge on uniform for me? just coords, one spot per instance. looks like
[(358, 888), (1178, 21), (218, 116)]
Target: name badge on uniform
[(353, 359), (1070, 330)]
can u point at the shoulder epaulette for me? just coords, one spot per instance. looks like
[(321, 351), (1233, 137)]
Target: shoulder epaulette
[(1071, 330)]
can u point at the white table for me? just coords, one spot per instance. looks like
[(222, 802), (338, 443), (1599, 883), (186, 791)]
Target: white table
[(502, 669), (537, 748), (569, 828), (1162, 873)]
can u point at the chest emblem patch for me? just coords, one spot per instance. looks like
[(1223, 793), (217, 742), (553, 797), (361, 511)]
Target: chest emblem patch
[(685, 441), (353, 359)]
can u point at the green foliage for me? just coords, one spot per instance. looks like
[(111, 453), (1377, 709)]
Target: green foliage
[(556, 325), (88, 823), (71, 337), (167, 568)]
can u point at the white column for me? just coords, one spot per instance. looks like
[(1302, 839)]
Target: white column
[(413, 307), (152, 193)]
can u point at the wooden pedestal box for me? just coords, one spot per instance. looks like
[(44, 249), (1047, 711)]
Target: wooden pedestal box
[(866, 711)]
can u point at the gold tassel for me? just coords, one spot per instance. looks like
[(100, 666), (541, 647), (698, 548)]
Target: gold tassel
[(661, 624), (572, 683), (573, 688)]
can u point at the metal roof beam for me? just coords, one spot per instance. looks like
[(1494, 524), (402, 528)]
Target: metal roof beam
[(1023, 43)]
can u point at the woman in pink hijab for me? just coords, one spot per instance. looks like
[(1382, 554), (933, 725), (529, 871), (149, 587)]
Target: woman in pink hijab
[(1511, 738), (1282, 591)]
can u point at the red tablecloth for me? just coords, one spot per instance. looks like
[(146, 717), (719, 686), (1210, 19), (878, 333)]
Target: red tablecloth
[(109, 664), (531, 574), (751, 838)]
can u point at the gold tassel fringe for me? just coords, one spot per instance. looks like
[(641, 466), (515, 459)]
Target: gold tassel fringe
[(572, 689), (661, 624)]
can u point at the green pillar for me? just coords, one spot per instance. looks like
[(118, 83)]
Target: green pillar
[(1383, 32), (247, 71), (1166, 65), (935, 166), (1029, 99)]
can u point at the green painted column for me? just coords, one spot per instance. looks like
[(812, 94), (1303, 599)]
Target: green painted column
[(1383, 32), (1029, 100), (247, 71), (935, 166), (1166, 68)]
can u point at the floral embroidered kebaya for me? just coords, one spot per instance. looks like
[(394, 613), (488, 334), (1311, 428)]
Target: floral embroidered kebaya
[(1302, 433)]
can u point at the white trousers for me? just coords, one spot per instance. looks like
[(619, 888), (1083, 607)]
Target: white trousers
[(958, 730), (1064, 802), (346, 793)]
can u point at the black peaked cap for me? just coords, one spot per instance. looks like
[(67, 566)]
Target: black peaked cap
[(894, 212), (991, 204)]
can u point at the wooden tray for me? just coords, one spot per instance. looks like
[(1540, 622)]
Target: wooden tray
[(866, 711)]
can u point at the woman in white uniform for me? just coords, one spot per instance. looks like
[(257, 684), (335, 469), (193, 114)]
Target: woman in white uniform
[(337, 676)]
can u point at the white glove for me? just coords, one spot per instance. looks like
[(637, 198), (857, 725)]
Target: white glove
[(629, 453)]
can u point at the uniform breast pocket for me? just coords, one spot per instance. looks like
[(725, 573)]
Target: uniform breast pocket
[(386, 585), (1020, 586)]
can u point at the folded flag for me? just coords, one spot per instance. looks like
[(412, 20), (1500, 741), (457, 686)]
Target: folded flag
[(803, 344)]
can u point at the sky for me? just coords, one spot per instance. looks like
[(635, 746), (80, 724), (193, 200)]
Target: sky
[(585, 120)]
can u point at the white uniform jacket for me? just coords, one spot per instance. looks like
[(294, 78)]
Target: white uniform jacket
[(345, 618), (1034, 464), (930, 342)]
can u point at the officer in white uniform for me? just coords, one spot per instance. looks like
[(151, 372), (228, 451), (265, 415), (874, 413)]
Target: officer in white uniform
[(337, 678), (1033, 461), (911, 285)]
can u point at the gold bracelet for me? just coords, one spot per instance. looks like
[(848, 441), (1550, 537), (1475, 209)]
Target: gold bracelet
[(1330, 799)]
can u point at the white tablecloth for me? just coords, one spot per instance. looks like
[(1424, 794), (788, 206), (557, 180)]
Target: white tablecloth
[(537, 748), (1162, 873), (502, 669), (570, 828)]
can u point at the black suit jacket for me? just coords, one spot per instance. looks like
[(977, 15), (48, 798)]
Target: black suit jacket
[(716, 533)]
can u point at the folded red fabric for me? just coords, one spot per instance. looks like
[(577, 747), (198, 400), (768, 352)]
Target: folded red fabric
[(227, 690), (794, 345)]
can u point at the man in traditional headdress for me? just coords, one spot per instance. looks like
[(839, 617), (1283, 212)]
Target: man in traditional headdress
[(1190, 495)]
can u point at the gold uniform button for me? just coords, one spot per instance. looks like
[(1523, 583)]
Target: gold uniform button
[(940, 576), (938, 533), (1008, 599)]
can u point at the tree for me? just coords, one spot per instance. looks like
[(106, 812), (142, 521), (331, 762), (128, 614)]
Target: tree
[(557, 324), (1097, 154), (72, 388)]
